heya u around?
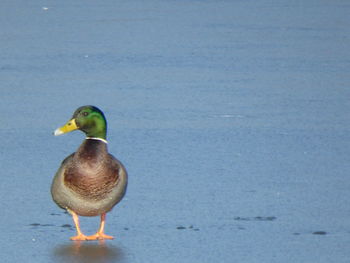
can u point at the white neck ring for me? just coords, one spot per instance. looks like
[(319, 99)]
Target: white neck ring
[(96, 138)]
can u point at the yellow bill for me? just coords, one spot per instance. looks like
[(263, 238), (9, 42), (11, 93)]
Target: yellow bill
[(68, 127)]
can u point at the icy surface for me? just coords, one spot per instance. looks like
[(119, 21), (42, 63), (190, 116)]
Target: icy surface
[(232, 118)]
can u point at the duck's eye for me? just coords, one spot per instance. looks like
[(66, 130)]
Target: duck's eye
[(85, 113)]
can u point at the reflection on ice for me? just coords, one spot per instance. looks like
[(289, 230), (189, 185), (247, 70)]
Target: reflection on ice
[(88, 252)]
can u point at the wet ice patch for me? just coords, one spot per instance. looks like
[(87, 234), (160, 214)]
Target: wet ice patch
[(236, 116)]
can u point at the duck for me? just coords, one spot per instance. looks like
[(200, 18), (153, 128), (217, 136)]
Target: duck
[(90, 181)]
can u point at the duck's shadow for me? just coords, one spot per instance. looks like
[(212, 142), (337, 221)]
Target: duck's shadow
[(79, 251)]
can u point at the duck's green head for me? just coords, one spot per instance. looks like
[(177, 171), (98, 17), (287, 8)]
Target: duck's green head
[(88, 119)]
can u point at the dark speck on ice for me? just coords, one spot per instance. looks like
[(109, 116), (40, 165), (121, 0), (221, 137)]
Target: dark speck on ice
[(37, 225), (319, 233), (55, 214), (67, 225), (257, 218)]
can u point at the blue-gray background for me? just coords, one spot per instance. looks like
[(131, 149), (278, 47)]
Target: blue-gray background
[(232, 118)]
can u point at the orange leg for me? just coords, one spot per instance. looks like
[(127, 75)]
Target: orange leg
[(100, 233), (80, 235)]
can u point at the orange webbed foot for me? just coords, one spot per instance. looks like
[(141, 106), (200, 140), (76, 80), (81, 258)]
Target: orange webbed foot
[(99, 236), (79, 237)]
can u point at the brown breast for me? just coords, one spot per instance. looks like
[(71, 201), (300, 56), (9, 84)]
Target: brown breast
[(92, 174)]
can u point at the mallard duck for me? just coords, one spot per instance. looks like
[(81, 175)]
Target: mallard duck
[(89, 182)]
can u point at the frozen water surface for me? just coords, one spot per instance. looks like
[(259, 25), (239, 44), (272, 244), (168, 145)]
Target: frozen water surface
[(232, 118)]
